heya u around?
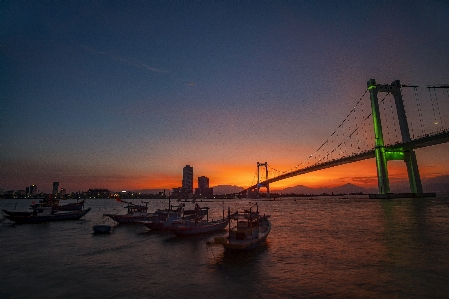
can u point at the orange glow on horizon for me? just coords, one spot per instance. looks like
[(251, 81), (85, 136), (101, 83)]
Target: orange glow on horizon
[(362, 174)]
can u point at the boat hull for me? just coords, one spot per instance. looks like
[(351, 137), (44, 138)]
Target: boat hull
[(160, 225), (71, 215), (13, 213), (200, 228), (129, 219)]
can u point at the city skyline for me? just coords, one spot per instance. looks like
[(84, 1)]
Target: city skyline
[(122, 95)]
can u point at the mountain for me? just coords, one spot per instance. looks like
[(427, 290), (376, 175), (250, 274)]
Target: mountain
[(226, 189), (300, 189), (345, 189)]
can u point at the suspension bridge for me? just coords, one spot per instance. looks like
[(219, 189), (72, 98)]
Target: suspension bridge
[(408, 117)]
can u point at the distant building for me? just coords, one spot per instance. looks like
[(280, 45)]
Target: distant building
[(187, 180), (33, 190), (98, 193), (55, 188), (203, 190), (203, 182)]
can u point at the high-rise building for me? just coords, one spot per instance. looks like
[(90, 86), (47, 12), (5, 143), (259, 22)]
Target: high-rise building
[(187, 179), (55, 188), (203, 182), (33, 190), (203, 190)]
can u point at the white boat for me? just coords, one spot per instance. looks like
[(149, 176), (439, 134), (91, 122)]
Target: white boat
[(199, 225), (247, 230)]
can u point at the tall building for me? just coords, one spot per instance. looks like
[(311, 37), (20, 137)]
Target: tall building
[(33, 190), (203, 183), (203, 190), (55, 188), (187, 180)]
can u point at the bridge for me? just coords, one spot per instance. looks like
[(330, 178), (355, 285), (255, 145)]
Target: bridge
[(382, 131)]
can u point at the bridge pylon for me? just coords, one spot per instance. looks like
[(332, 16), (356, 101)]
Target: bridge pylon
[(383, 155), (259, 184)]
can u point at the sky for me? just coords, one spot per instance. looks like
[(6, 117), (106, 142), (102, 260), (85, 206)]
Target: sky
[(123, 94)]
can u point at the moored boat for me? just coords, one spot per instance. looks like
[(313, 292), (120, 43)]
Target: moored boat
[(56, 206), (199, 225), (46, 214), (247, 230), (135, 213), (169, 218)]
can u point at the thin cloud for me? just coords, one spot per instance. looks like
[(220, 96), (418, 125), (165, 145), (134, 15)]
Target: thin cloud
[(124, 60)]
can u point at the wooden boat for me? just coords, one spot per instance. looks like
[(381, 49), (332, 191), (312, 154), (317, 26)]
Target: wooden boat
[(45, 203), (199, 225), (172, 217), (247, 230), (135, 214), (54, 203), (46, 214), (71, 206), (168, 218)]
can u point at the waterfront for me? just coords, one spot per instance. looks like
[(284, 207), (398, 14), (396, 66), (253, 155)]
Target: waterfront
[(320, 247)]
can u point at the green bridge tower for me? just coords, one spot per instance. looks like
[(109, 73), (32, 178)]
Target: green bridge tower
[(383, 154)]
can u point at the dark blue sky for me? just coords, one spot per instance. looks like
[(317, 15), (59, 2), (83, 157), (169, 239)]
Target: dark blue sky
[(123, 94)]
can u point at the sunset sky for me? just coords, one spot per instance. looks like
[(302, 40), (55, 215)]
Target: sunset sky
[(123, 94)]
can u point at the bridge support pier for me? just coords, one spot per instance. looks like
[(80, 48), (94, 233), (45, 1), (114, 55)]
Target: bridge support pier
[(382, 156), (267, 185)]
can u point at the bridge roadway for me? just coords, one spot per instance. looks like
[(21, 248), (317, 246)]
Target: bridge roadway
[(424, 141)]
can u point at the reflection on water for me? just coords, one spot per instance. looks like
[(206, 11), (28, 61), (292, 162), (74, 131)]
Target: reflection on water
[(326, 247)]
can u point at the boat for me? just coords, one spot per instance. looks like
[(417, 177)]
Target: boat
[(168, 218), (47, 203), (46, 214), (71, 206), (172, 217), (102, 228), (54, 203), (198, 225), (247, 230), (135, 214)]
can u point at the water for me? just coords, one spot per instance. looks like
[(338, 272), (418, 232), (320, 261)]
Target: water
[(321, 247)]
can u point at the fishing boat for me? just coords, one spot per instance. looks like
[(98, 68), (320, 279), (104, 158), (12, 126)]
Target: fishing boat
[(135, 213), (46, 214), (247, 230), (71, 206), (167, 219), (46, 203), (199, 225), (55, 204)]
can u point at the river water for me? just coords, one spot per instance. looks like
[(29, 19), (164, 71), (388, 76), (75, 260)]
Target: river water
[(320, 247)]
